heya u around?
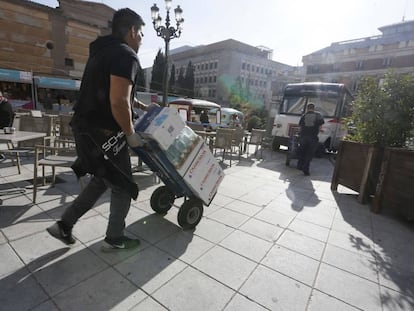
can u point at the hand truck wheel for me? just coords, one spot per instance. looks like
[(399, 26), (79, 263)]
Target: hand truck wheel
[(162, 199), (190, 213)]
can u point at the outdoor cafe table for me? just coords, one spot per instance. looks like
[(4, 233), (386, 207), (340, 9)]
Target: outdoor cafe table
[(16, 137), (19, 136)]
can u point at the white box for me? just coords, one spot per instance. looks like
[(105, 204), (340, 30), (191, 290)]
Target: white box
[(164, 127), (204, 175)]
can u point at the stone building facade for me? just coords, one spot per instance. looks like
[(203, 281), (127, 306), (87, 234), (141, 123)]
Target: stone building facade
[(348, 61), (53, 41), (224, 66)]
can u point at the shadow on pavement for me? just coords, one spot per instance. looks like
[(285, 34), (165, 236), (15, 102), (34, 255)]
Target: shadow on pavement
[(387, 240), (85, 278)]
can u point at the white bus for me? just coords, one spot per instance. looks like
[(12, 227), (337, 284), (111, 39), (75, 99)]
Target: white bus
[(332, 100)]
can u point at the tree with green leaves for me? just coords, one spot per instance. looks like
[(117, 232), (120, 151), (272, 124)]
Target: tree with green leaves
[(171, 84), (156, 84), (255, 115), (180, 84), (189, 80), (383, 113), (140, 83)]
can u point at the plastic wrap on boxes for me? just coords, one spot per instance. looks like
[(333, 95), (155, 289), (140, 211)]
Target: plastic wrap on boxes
[(183, 150)]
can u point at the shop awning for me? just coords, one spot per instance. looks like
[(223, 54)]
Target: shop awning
[(10, 75), (57, 83)]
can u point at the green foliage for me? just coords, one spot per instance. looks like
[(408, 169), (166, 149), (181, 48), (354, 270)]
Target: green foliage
[(254, 122), (256, 118), (255, 114), (158, 73), (383, 114), (184, 86), (171, 84), (140, 83), (189, 80)]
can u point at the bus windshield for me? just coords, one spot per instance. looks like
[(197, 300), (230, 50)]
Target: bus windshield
[(295, 105)]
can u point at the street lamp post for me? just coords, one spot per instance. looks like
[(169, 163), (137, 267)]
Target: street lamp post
[(166, 32)]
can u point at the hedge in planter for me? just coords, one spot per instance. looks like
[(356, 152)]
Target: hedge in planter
[(383, 116)]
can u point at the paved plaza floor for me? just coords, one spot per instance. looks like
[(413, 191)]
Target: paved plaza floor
[(272, 239)]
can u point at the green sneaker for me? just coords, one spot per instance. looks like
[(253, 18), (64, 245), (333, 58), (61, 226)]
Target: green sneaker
[(122, 243)]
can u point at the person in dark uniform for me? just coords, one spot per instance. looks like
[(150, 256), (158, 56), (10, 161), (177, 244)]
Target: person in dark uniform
[(310, 124), (204, 117), (6, 112), (103, 128)]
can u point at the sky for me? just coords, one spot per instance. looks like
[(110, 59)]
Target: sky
[(291, 28)]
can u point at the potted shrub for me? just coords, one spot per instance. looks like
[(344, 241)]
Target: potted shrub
[(382, 120)]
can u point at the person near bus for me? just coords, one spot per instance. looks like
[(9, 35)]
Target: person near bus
[(6, 112), (103, 129), (235, 121), (310, 124), (204, 117)]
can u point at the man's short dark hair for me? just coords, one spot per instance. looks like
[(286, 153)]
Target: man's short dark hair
[(123, 20)]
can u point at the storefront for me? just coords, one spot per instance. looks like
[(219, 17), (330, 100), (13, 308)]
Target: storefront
[(63, 93), (17, 87)]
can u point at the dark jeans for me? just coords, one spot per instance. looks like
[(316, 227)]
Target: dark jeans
[(110, 171), (307, 148), (119, 206)]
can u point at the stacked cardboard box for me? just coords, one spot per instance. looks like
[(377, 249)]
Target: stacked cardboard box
[(185, 151)]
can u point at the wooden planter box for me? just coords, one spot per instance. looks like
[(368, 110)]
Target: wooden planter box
[(395, 188), (357, 167)]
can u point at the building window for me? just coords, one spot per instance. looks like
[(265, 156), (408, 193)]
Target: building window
[(387, 62), (314, 69), (243, 66), (69, 62), (248, 67), (214, 79), (215, 65), (359, 65)]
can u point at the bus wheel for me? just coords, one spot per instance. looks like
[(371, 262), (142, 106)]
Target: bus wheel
[(320, 151), (275, 145)]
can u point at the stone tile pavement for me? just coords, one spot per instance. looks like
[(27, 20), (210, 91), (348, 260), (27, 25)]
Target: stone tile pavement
[(272, 239)]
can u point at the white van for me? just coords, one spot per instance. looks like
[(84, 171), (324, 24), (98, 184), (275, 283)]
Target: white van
[(190, 109), (332, 100), (227, 115)]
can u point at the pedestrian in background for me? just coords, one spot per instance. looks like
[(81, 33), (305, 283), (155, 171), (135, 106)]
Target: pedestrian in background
[(103, 128), (6, 112), (235, 121), (204, 117), (310, 124)]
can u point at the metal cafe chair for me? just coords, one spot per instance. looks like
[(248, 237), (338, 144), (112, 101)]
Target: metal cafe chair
[(62, 154), (30, 124), (237, 142), (256, 138), (224, 141)]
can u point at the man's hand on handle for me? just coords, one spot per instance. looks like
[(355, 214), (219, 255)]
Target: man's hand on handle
[(134, 140)]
